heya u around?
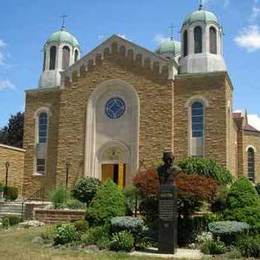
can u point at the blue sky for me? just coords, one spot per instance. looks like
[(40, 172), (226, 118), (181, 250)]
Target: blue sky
[(26, 24)]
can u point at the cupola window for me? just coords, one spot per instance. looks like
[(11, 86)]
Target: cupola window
[(65, 57), (185, 43), (76, 55), (52, 58), (213, 40), (198, 39)]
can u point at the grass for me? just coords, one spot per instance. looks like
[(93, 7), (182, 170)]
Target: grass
[(16, 244)]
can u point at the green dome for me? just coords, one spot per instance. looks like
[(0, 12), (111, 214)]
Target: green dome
[(63, 36), (169, 46), (201, 16)]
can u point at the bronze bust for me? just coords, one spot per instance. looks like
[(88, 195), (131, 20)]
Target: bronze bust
[(168, 171)]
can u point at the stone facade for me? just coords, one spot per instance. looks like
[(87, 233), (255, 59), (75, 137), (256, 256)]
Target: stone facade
[(15, 157), (164, 117)]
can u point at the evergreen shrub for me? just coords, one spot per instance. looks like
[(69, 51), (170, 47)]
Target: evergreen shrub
[(249, 246), (108, 202), (11, 193), (64, 234)]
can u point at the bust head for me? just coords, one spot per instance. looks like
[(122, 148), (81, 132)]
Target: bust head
[(168, 158)]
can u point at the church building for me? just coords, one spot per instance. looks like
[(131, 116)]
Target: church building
[(118, 107)]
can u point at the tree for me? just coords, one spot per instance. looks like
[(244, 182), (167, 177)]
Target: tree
[(12, 134)]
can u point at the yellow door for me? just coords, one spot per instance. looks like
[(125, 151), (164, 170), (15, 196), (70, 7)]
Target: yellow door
[(121, 175), (107, 172)]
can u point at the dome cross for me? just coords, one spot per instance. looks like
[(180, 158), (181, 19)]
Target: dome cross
[(200, 4), (63, 17)]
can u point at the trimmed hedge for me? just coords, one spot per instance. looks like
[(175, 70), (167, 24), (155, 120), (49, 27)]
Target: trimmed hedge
[(11, 193)]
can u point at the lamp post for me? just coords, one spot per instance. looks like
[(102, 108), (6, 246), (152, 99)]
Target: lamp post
[(7, 164)]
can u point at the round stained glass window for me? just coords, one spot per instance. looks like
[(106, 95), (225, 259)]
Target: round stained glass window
[(115, 107)]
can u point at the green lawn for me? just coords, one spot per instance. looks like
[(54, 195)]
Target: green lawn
[(17, 244)]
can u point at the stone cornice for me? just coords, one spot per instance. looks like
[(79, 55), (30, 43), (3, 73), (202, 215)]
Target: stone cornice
[(12, 148)]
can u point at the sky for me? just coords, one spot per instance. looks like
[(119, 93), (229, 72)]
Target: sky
[(26, 24)]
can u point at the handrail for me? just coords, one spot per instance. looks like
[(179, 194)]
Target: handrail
[(37, 195)]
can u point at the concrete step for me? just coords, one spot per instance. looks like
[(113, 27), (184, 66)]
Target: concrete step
[(11, 208)]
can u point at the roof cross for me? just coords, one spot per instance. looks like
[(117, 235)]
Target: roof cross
[(171, 31), (200, 4), (63, 17)]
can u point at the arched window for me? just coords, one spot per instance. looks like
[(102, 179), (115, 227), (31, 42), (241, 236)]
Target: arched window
[(213, 40), (76, 55), (42, 127), (65, 57), (52, 58), (44, 61), (198, 39), (185, 43), (197, 129), (197, 119), (251, 164)]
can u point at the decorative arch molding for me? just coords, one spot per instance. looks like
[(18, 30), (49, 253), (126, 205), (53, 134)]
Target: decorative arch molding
[(251, 147), (45, 109), (197, 99), (94, 148)]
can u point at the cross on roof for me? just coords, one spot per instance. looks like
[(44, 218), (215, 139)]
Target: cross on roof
[(63, 17), (200, 4), (171, 31)]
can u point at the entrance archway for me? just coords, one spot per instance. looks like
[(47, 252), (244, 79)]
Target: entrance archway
[(113, 160)]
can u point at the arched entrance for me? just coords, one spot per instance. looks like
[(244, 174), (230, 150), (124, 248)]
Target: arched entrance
[(112, 132), (113, 160)]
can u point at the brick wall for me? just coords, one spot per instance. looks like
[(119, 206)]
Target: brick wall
[(36, 99), (213, 88), (53, 216), (15, 157)]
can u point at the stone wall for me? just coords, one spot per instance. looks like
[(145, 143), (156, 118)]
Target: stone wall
[(155, 95), (214, 88), (36, 99), (15, 157), (53, 216)]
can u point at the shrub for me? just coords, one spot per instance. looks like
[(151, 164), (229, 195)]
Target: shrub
[(11, 193), (109, 202), (1, 187), (228, 231), (204, 237), (213, 247), (220, 202), (131, 224), (96, 235), (81, 226), (249, 246), (207, 168), (5, 223), (122, 241), (257, 187), (242, 194), (58, 196), (12, 220), (85, 189), (74, 204), (243, 203), (64, 234)]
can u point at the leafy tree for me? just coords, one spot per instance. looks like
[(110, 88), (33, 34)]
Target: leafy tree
[(208, 168), (12, 134)]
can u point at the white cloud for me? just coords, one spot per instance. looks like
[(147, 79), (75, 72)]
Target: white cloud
[(254, 120), (255, 14), (249, 38), (6, 84), (159, 38)]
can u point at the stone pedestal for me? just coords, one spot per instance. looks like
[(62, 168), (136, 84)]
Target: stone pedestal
[(167, 219)]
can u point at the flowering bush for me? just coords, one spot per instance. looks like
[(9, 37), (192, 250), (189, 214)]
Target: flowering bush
[(203, 237), (64, 234)]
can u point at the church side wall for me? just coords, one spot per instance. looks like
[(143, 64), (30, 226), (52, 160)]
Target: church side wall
[(35, 100), (252, 139), (155, 96), (15, 158), (212, 88)]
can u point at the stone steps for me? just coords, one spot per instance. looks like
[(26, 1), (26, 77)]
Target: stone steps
[(11, 208)]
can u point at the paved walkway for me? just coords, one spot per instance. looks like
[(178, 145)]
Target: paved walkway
[(180, 254)]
